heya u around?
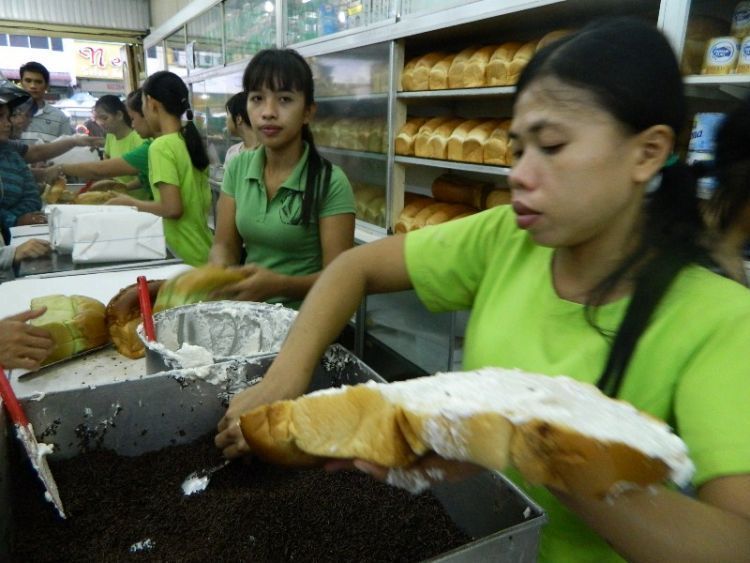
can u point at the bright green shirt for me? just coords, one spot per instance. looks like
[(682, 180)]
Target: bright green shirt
[(691, 367), (115, 148), (169, 162), (138, 158), (267, 228)]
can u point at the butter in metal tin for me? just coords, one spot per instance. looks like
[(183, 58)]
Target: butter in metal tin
[(721, 55)]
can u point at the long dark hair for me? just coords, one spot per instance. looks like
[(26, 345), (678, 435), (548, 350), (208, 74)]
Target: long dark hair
[(237, 107), (112, 104), (285, 69), (134, 101), (630, 69), (169, 89)]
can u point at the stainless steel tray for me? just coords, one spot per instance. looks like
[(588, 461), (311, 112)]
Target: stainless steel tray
[(176, 407)]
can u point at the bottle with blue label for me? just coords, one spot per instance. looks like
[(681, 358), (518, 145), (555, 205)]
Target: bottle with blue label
[(702, 147), (721, 55)]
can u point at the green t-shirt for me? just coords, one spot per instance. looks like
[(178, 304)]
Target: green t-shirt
[(691, 367), (169, 162), (115, 148), (138, 158), (266, 227)]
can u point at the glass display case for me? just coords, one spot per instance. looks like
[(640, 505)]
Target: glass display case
[(205, 39), (411, 7), (310, 19), (175, 47), (249, 26), (350, 127)]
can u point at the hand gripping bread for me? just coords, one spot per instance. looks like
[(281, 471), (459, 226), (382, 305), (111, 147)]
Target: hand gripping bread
[(407, 135), (123, 315), (195, 285), (558, 432), (76, 323), (438, 79)]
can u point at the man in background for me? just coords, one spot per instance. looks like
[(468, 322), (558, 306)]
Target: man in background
[(49, 122)]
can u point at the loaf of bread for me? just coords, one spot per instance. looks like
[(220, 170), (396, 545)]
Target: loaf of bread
[(447, 213), (76, 322), (421, 73), (458, 137), (556, 431), (425, 132), (95, 198), (450, 188), (439, 73), (410, 211), (54, 191), (472, 147), (407, 75), (194, 286), (407, 135), (437, 144), (552, 36), (456, 70), (497, 197), (498, 67), (123, 315), (476, 66), (520, 59), (496, 149)]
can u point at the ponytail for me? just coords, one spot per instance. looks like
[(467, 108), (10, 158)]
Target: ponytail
[(318, 179), (169, 89)]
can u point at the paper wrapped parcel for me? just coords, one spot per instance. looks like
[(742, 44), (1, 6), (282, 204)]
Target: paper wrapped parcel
[(113, 237), (60, 218)]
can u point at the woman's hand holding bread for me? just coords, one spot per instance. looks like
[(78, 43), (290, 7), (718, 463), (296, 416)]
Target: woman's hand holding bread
[(258, 284), (22, 345)]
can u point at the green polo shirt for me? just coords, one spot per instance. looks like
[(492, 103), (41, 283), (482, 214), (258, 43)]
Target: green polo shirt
[(169, 162), (266, 227), (115, 148), (138, 158)]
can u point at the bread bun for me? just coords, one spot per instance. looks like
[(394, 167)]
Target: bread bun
[(472, 147), (437, 144), (474, 71), (424, 134), (123, 315), (520, 60), (496, 147), (498, 67), (410, 211), (195, 286), (421, 74), (450, 188), (497, 197), (558, 432), (407, 135), (76, 323), (456, 70), (53, 192), (95, 198), (458, 137), (449, 213), (407, 75), (438, 79)]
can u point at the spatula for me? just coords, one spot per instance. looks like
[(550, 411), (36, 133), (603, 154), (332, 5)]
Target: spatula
[(144, 300), (25, 433)]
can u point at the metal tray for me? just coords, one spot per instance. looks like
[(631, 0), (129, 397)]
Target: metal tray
[(176, 407)]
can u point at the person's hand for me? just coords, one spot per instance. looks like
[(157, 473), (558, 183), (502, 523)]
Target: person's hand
[(33, 218), (22, 345), (260, 284), (421, 475), (87, 141), (33, 248), (52, 173)]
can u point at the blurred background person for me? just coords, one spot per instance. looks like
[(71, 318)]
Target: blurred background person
[(238, 125), (49, 122)]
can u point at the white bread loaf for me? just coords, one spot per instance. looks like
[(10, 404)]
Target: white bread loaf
[(456, 70), (424, 134), (407, 75), (450, 188), (558, 432), (496, 147), (449, 213), (498, 67), (439, 73), (458, 137), (420, 219), (409, 212), (497, 197), (474, 70), (473, 146), (421, 74), (520, 60), (407, 135), (437, 144)]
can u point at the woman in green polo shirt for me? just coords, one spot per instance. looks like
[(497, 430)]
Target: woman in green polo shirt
[(593, 272), (132, 163), (287, 207), (110, 112), (178, 169)]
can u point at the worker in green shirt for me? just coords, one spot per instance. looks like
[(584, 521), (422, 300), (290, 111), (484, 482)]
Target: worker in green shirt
[(178, 169), (288, 208), (593, 272)]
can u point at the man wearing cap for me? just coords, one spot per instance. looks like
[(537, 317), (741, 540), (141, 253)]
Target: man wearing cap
[(49, 122)]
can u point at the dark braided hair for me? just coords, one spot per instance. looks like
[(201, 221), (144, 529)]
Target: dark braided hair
[(285, 69), (633, 74)]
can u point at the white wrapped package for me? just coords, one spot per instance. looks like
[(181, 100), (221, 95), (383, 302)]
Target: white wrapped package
[(114, 237), (60, 219)]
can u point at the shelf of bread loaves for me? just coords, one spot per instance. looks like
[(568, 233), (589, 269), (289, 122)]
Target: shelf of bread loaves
[(453, 197), (472, 145), (362, 134)]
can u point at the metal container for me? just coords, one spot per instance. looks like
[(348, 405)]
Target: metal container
[(176, 407), (223, 330)]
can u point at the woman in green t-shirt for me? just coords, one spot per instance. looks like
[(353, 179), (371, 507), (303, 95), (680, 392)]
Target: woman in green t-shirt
[(593, 272), (289, 209), (110, 112), (178, 169)]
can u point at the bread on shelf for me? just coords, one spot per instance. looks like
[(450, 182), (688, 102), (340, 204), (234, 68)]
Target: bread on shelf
[(411, 209), (498, 67), (407, 136), (472, 147), (496, 148), (520, 59), (424, 134), (421, 74), (451, 188), (552, 36), (456, 70), (458, 138), (438, 79), (407, 75), (474, 70), (497, 197), (437, 144)]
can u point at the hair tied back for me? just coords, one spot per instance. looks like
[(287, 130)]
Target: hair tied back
[(189, 114)]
